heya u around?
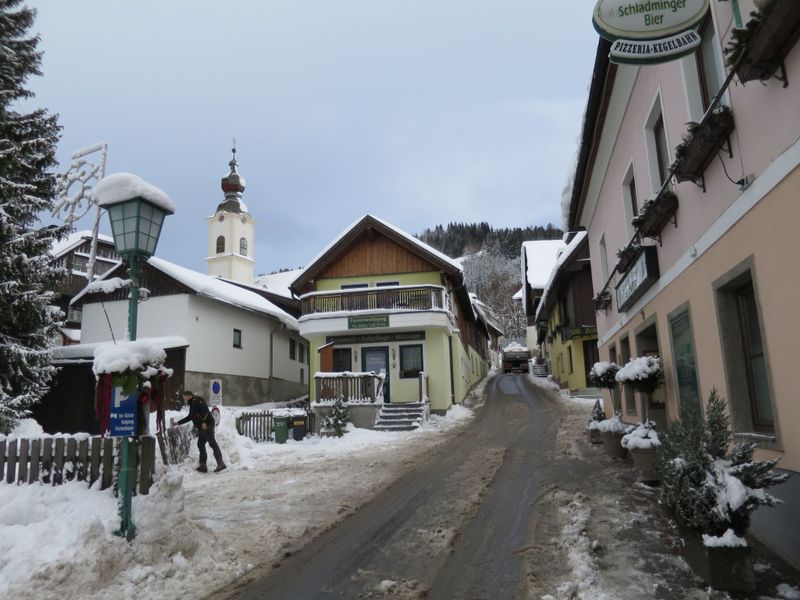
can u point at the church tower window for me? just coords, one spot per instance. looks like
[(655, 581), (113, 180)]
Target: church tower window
[(221, 244), (243, 247)]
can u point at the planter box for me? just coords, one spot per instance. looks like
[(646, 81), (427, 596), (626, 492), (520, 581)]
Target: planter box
[(593, 436), (612, 444), (772, 40), (627, 258), (728, 569), (700, 148), (656, 214), (645, 461)]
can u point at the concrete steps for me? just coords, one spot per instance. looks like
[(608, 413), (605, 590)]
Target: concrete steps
[(400, 417)]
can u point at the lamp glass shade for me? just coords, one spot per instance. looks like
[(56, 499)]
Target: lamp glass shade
[(136, 226)]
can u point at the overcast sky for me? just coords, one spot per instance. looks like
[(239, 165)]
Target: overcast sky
[(418, 111)]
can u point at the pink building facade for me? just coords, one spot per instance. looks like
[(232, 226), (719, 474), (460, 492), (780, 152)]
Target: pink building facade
[(713, 283)]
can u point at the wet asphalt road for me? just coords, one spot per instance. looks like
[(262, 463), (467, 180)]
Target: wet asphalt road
[(502, 453)]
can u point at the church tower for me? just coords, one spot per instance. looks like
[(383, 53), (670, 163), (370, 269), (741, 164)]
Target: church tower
[(231, 232)]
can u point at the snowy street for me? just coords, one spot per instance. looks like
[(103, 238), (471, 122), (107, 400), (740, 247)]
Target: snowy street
[(508, 500)]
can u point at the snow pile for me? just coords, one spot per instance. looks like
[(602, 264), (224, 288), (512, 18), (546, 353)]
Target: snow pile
[(612, 425), (125, 186), (107, 286), (25, 429), (640, 369), (787, 592), (127, 356), (643, 437), (515, 347), (727, 540)]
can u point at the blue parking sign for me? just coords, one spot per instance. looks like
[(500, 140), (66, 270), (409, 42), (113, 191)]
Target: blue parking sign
[(124, 413)]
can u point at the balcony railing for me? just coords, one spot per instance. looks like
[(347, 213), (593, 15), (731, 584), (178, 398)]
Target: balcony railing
[(359, 388), (426, 297)]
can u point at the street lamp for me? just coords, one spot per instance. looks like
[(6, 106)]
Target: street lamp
[(136, 210)]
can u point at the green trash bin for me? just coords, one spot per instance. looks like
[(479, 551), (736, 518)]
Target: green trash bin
[(281, 429)]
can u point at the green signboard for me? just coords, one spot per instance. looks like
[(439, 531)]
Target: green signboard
[(376, 338), (367, 321)]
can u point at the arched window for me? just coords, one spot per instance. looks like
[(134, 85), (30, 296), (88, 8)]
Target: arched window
[(243, 247), (221, 244)]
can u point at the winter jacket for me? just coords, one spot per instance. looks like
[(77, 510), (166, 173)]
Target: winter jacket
[(198, 414)]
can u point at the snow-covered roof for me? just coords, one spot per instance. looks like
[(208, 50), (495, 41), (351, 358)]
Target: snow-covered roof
[(564, 255), (223, 291), (217, 289), (86, 351), (407, 236), (124, 186), (540, 257), (75, 239), (278, 283)]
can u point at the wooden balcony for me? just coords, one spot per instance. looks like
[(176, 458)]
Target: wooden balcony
[(397, 298), (359, 388)]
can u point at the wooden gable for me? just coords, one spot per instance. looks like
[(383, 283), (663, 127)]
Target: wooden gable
[(372, 253)]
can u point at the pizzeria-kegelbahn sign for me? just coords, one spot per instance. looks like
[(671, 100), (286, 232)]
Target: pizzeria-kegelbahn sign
[(650, 31)]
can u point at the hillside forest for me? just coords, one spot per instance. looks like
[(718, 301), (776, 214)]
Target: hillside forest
[(491, 261)]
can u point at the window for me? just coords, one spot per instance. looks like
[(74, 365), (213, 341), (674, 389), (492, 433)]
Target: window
[(292, 349), (302, 375), (387, 283), (569, 355), (301, 353), (604, 257), (342, 360), (630, 199), (243, 247), (354, 286), (410, 361), (683, 354), (662, 152), (221, 244), (745, 355), (237, 338), (709, 67)]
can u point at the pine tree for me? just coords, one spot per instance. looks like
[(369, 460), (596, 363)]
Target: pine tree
[(337, 419), (27, 150)]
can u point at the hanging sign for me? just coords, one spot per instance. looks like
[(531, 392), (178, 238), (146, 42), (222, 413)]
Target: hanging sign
[(124, 412), (654, 51), (643, 274), (665, 25)]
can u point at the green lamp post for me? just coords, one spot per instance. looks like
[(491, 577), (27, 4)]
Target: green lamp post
[(136, 210)]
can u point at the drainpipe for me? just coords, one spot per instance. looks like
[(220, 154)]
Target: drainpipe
[(272, 356)]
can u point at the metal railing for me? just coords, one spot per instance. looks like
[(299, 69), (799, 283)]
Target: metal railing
[(427, 297)]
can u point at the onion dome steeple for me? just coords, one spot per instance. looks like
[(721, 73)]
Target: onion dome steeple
[(233, 185)]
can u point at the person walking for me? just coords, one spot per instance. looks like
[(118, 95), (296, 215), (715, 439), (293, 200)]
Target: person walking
[(204, 424)]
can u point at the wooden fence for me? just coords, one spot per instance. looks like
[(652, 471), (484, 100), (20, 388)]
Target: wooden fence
[(259, 425), (255, 425), (358, 387), (56, 460), (174, 443)]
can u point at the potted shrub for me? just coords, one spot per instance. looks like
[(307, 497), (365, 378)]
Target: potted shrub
[(642, 441), (643, 374), (602, 301), (758, 49), (626, 257), (611, 432), (592, 430), (655, 214), (701, 143), (602, 375), (710, 490), (334, 424)]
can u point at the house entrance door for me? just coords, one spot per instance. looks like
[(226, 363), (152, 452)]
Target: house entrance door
[(377, 359)]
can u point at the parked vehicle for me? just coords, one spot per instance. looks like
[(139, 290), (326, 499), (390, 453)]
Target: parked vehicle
[(516, 361)]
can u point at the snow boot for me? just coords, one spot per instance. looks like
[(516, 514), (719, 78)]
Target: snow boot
[(220, 463), (202, 468)]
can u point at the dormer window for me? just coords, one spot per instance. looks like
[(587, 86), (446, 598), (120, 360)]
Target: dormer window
[(243, 247), (221, 244)]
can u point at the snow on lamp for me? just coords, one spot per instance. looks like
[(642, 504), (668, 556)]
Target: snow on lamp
[(136, 210)]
